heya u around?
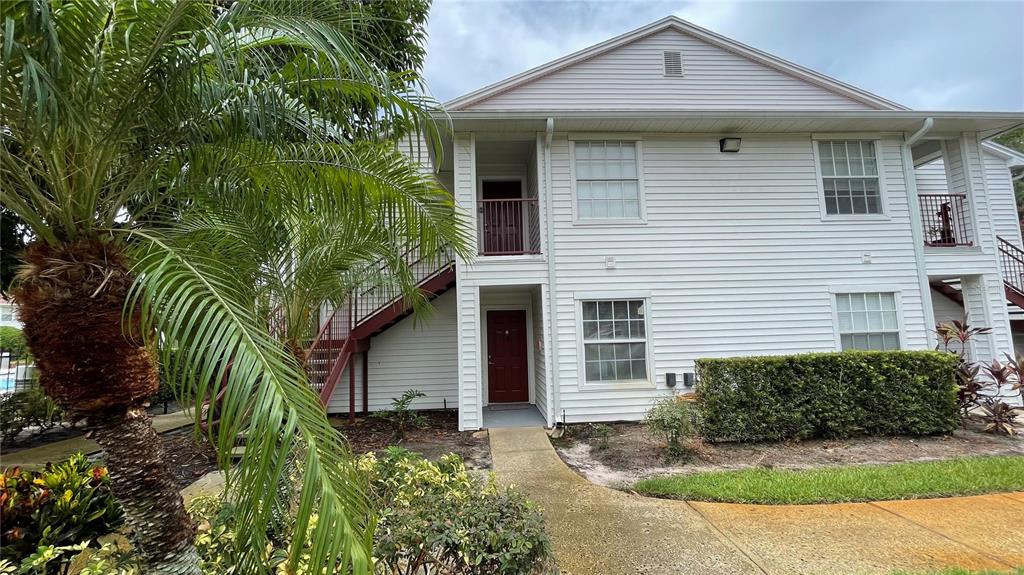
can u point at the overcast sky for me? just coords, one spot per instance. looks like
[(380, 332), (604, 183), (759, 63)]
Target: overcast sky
[(925, 55)]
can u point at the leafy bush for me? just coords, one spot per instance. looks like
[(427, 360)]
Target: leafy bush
[(602, 432), (62, 505), (983, 388), (27, 408), (438, 517), (674, 419), (401, 415), (831, 395), (13, 341)]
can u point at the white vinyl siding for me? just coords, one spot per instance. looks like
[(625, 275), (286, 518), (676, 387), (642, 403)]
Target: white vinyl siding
[(734, 247), (632, 77), (607, 181), (415, 353), (868, 321), (849, 177), (614, 340)]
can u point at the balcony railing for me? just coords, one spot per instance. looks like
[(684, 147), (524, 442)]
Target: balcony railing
[(509, 227), (945, 218)]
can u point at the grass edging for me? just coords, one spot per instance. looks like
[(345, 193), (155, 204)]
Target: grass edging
[(917, 480)]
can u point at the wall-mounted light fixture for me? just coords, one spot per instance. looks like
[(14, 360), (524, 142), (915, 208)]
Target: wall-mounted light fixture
[(729, 145), (670, 380)]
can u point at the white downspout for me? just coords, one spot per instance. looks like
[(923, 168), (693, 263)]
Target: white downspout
[(549, 218), (917, 229)]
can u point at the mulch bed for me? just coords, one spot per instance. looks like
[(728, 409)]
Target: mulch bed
[(441, 435), (632, 453)]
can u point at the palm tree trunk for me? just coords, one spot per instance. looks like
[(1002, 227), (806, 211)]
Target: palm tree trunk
[(71, 298), (146, 490)]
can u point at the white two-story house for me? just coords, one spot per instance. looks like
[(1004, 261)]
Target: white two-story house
[(671, 194)]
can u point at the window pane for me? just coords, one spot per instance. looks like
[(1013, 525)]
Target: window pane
[(606, 172), (584, 191), (845, 321), (639, 369), (637, 351), (620, 324)]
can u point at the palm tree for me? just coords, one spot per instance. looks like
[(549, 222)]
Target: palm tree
[(133, 132)]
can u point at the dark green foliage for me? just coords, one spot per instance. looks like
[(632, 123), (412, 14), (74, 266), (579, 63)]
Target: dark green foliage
[(441, 518), (13, 233), (13, 341), (65, 504), (1015, 140), (27, 408), (433, 517), (830, 395)]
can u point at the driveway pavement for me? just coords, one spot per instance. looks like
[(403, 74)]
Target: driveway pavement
[(601, 531)]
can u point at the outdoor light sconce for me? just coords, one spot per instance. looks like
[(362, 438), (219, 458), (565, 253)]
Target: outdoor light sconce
[(670, 379), (688, 378), (729, 145)]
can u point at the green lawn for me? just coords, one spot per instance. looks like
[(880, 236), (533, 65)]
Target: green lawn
[(956, 571), (969, 476)]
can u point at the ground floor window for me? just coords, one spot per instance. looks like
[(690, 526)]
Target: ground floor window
[(614, 340), (868, 321)]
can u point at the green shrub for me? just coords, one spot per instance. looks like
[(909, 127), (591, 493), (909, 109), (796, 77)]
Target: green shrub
[(402, 415), (830, 395), (13, 341), (674, 419), (442, 516), (63, 505), (27, 408)]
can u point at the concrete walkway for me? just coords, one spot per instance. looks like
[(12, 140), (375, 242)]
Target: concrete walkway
[(600, 531), (37, 457)]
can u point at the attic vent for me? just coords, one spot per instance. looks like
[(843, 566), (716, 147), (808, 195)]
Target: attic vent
[(673, 64)]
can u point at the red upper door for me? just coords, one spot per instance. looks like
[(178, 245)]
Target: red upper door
[(502, 216), (507, 377)]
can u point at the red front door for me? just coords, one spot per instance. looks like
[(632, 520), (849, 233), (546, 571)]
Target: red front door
[(507, 379)]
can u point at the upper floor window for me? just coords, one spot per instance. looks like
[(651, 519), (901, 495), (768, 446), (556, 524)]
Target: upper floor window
[(868, 321), (7, 312), (849, 177), (607, 181)]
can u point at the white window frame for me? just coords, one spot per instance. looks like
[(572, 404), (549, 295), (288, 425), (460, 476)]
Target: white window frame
[(861, 289), (883, 195), (582, 383), (641, 204)]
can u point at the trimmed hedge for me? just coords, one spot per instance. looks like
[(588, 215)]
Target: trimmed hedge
[(827, 395)]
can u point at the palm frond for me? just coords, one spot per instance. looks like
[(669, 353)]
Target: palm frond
[(210, 333)]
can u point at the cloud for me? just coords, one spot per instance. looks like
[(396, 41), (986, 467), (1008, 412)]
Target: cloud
[(926, 55)]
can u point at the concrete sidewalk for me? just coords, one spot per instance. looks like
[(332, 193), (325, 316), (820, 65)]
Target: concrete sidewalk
[(600, 531), (37, 457)]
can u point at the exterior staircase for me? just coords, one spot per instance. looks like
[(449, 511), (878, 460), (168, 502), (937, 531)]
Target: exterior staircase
[(1011, 260), (368, 312)]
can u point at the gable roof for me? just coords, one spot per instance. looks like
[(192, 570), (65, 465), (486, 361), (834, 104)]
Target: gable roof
[(684, 27)]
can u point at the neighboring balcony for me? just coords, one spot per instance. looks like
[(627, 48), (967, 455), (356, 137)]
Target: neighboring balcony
[(509, 227), (945, 220)]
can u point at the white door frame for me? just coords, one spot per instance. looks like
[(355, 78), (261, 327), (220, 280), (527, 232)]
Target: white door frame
[(524, 306)]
